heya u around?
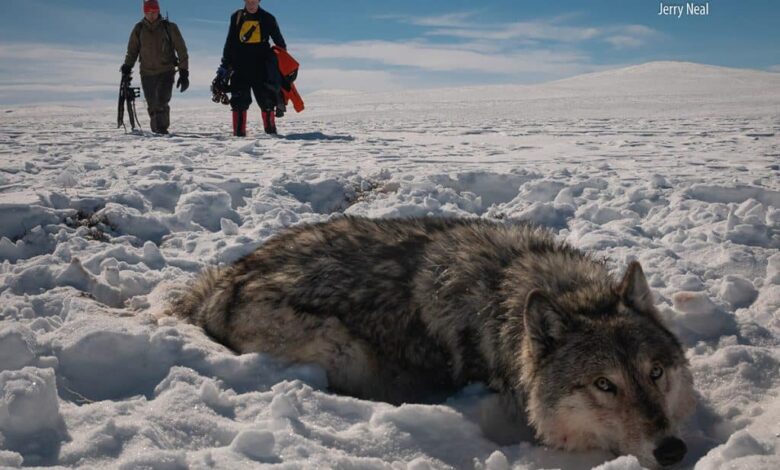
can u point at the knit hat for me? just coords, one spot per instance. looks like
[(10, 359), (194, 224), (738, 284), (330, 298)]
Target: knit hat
[(150, 6)]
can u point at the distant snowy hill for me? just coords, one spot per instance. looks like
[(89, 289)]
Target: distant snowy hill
[(680, 88), (672, 79)]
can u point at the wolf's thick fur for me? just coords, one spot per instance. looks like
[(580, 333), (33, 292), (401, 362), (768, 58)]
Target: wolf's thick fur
[(395, 309)]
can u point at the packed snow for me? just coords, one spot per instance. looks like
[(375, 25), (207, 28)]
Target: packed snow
[(673, 164)]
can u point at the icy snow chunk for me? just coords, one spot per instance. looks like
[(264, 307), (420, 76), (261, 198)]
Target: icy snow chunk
[(156, 168), (255, 444), (767, 307), (325, 196), (686, 282), (625, 462), (156, 460), (737, 371), (283, 407), (565, 198), (773, 269), (658, 181), (66, 179), (740, 444), (699, 314), (10, 459), (546, 214), (431, 204), (130, 199), (753, 235), (588, 236), (746, 225), (34, 242), (496, 461), (161, 194), (219, 401), (423, 423), (737, 194), (77, 277), (593, 186), (127, 220), (541, 190), (32, 280), (89, 358), (111, 275), (153, 257), (22, 211), (751, 212), (30, 416), (773, 217), (286, 218), (601, 215), (17, 347), (229, 227), (112, 257), (238, 191), (236, 251), (738, 291), (207, 208), (491, 188), (422, 463), (10, 250)]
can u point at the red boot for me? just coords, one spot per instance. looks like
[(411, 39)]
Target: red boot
[(269, 122), (239, 123)]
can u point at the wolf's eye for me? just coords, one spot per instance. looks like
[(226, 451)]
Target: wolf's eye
[(605, 385), (656, 372)]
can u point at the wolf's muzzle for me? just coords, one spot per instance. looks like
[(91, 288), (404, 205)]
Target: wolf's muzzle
[(670, 451)]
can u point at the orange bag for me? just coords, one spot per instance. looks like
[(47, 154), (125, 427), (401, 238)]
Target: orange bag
[(288, 67)]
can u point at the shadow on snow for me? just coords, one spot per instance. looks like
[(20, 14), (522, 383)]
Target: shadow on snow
[(318, 136)]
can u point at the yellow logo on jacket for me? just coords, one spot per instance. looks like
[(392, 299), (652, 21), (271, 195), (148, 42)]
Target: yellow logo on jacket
[(250, 32)]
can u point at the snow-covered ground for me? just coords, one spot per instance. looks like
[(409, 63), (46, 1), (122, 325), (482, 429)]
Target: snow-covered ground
[(676, 165)]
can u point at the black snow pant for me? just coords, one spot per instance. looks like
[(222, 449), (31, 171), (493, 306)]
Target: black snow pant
[(157, 91), (264, 81)]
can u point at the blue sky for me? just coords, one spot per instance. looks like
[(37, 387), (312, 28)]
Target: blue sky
[(66, 49)]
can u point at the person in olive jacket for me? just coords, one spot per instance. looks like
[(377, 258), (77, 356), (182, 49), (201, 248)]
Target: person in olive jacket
[(255, 69), (161, 49)]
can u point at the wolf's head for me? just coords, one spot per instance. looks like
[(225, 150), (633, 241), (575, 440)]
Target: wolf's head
[(600, 370)]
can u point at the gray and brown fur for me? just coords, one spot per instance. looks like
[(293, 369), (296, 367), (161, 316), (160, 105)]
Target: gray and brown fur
[(397, 309)]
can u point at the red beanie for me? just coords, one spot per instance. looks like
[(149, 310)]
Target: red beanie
[(150, 6)]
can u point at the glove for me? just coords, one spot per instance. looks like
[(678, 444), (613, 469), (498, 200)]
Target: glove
[(184, 80), (126, 69), (222, 72)]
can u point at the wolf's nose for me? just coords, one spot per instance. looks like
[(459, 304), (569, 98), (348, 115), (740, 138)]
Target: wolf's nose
[(670, 451)]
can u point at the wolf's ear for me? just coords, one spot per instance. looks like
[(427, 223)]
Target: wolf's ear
[(634, 291), (544, 325)]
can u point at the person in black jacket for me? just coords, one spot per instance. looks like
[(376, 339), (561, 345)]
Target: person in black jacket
[(255, 70)]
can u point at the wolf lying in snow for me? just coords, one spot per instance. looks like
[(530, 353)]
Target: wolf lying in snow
[(393, 309)]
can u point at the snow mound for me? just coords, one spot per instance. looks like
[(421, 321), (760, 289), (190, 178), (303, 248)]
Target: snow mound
[(325, 196), (741, 451), (17, 347), (699, 314), (627, 462), (257, 445), (30, 419), (207, 208)]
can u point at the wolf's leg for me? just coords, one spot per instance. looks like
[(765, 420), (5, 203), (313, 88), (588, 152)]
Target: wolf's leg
[(350, 363)]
